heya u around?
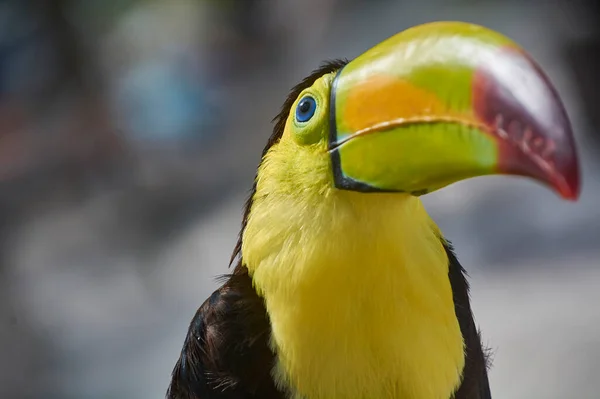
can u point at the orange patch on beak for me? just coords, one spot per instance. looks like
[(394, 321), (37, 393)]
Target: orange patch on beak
[(387, 98)]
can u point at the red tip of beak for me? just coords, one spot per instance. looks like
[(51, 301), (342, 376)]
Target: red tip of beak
[(520, 106), (568, 184)]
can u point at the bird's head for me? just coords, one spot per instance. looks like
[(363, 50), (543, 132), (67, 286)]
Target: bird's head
[(430, 106)]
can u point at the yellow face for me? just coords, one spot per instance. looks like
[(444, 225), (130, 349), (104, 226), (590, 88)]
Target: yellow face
[(308, 122), (300, 161)]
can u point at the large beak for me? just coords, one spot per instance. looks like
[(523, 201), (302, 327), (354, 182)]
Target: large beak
[(443, 102)]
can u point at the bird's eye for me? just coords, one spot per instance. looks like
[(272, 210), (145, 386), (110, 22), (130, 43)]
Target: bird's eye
[(306, 109)]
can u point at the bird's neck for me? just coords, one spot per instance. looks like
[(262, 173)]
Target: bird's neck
[(358, 295)]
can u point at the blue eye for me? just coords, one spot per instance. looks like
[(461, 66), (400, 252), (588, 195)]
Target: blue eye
[(306, 109)]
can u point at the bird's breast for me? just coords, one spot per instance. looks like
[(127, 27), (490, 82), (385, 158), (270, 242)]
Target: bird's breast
[(389, 333), (360, 305)]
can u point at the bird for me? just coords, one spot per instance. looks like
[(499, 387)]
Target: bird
[(342, 286)]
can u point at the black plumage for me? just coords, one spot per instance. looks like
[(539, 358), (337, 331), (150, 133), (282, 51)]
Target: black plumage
[(226, 353)]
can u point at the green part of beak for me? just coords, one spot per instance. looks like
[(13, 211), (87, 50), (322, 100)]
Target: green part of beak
[(407, 162)]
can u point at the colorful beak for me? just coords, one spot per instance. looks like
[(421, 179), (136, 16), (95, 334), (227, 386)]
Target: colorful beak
[(443, 102)]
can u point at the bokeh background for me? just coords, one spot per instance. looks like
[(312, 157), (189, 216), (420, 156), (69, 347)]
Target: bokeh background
[(129, 135)]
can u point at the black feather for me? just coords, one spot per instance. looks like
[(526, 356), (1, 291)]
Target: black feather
[(226, 352), (475, 384)]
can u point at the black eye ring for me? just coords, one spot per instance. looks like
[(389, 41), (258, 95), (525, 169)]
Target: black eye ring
[(306, 109)]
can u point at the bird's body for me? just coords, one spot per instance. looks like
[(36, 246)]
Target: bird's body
[(339, 294), (227, 353), (358, 312)]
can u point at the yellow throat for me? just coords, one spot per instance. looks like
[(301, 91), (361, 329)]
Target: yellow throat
[(357, 290)]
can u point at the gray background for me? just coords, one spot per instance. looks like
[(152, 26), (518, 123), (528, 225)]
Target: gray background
[(107, 254)]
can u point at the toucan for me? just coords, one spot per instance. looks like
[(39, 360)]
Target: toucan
[(343, 286)]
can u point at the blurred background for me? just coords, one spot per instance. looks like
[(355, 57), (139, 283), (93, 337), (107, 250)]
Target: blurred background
[(129, 135)]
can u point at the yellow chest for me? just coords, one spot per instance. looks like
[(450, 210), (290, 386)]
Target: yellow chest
[(366, 313)]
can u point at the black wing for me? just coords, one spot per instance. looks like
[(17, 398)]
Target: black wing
[(226, 352), (475, 383)]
